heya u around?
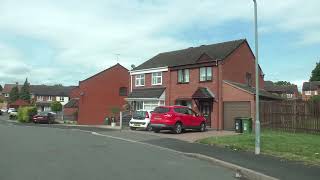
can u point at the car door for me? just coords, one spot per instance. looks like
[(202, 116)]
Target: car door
[(194, 118), (188, 117)]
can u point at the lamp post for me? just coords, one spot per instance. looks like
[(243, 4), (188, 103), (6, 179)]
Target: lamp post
[(257, 123)]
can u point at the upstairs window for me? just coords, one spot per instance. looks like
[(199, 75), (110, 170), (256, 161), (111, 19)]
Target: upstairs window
[(205, 74), (39, 98), (61, 98), (123, 91), (157, 78), (183, 76), (49, 98), (140, 80), (307, 92)]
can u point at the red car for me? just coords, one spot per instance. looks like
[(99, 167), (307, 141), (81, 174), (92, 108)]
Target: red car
[(177, 119), (43, 117)]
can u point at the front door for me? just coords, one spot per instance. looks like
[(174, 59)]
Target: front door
[(205, 110)]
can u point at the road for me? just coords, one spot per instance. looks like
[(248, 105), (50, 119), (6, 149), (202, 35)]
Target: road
[(37, 153)]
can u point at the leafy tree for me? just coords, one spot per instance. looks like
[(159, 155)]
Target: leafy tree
[(56, 106), (315, 99), (282, 83), (25, 91), (315, 74), (14, 94), (1, 88)]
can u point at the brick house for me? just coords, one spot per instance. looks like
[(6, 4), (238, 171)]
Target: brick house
[(95, 96), (289, 92), (215, 80), (310, 89)]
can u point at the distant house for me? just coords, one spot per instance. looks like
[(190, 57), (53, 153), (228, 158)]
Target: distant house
[(44, 95), (95, 96), (285, 91), (7, 89), (310, 89)]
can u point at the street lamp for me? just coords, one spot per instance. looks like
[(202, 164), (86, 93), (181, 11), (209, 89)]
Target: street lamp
[(257, 124)]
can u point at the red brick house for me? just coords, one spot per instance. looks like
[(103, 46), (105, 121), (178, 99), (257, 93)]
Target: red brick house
[(97, 95), (289, 92), (216, 80), (310, 89)]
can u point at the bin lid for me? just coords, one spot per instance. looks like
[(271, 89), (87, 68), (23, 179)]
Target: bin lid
[(243, 118)]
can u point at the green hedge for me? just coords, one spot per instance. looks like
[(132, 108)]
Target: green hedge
[(25, 113)]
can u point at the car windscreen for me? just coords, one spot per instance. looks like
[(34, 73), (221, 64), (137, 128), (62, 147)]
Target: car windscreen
[(161, 110), (43, 113), (139, 115)]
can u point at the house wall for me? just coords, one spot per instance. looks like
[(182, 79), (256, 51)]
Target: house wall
[(307, 97), (101, 93), (75, 93), (237, 64), (148, 81), (182, 91)]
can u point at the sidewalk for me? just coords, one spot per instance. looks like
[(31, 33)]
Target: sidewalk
[(268, 165)]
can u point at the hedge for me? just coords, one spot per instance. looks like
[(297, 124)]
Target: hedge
[(25, 113)]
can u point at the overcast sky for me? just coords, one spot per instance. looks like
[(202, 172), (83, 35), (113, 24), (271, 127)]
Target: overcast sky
[(64, 41)]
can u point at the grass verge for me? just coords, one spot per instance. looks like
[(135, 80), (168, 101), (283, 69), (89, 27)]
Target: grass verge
[(292, 146)]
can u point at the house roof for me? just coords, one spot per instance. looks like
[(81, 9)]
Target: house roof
[(289, 89), (202, 93), (310, 86), (55, 90), (105, 71), (252, 90), (146, 93), (7, 87), (73, 103), (191, 55)]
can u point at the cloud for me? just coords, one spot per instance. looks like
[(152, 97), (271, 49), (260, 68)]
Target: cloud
[(86, 35)]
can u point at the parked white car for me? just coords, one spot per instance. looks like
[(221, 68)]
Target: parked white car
[(141, 119), (4, 110), (11, 110)]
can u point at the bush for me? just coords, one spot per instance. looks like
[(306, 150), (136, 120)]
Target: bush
[(315, 99), (25, 113), (56, 106)]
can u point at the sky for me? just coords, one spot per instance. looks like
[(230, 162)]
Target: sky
[(65, 41)]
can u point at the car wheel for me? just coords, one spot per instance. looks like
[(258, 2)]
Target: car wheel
[(132, 128), (149, 128), (202, 127), (178, 128), (156, 130)]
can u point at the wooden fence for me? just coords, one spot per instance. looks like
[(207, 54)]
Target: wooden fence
[(294, 116)]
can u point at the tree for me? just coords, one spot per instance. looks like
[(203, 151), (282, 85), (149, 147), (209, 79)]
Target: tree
[(25, 91), (56, 106), (14, 94), (282, 83), (315, 99), (1, 88), (315, 74)]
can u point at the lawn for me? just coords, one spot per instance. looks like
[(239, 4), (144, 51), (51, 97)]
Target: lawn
[(299, 147)]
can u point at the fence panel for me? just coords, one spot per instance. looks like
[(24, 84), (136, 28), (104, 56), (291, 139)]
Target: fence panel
[(294, 116)]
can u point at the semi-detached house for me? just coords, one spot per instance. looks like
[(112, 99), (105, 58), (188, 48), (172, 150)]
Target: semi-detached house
[(216, 80)]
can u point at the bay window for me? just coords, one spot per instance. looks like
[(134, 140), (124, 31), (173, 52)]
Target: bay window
[(183, 76), (140, 80), (206, 74)]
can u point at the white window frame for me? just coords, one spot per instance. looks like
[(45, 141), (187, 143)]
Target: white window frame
[(206, 77), (155, 78), (185, 75), (39, 98), (138, 80), (49, 98), (315, 92), (61, 98), (308, 93), (6, 95), (289, 96)]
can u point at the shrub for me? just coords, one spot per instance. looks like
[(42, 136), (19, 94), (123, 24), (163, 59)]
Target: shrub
[(56, 106), (25, 113), (315, 99)]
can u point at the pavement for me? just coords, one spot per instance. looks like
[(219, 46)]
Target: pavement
[(268, 165), (37, 152)]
